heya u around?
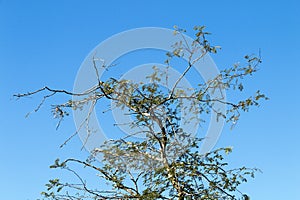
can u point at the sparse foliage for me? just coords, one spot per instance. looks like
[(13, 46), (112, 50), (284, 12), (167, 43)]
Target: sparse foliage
[(166, 163)]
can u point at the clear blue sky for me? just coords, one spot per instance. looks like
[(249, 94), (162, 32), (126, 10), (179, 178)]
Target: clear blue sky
[(44, 43)]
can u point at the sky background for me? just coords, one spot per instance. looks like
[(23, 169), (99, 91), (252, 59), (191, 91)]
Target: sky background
[(45, 42)]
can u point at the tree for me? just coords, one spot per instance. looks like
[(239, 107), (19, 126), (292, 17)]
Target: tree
[(166, 163)]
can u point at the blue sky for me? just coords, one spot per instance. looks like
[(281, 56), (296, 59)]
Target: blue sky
[(44, 43)]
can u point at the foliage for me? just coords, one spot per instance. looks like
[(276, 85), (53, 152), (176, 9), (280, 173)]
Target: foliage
[(166, 163)]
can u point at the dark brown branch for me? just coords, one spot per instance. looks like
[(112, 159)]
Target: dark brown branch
[(120, 185)]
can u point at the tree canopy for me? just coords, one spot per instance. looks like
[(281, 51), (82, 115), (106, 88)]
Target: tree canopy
[(165, 163)]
